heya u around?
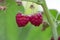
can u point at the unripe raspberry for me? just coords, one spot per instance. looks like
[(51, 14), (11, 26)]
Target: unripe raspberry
[(21, 20), (36, 19), (45, 25)]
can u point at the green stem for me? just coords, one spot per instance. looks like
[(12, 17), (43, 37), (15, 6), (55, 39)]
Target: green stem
[(50, 20)]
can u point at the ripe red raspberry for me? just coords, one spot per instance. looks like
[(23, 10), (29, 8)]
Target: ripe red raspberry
[(21, 20), (36, 19)]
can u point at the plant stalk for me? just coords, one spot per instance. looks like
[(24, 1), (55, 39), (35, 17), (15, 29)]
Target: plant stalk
[(50, 20)]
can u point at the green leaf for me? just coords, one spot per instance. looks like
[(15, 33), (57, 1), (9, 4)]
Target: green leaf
[(12, 31), (58, 17), (2, 25), (35, 1), (53, 12), (24, 32), (31, 0), (34, 33)]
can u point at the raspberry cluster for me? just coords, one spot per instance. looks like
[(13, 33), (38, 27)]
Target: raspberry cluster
[(22, 20)]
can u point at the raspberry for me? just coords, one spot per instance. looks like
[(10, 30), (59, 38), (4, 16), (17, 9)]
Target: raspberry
[(21, 20), (36, 19)]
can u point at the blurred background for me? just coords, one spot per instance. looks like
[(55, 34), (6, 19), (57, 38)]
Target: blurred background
[(9, 29), (53, 4)]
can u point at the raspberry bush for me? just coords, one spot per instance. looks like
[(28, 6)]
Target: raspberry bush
[(20, 21)]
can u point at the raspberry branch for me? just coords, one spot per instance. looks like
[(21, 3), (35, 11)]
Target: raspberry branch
[(50, 20), (48, 15)]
